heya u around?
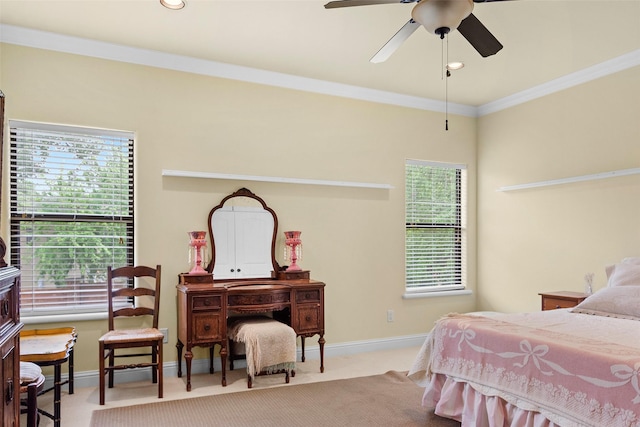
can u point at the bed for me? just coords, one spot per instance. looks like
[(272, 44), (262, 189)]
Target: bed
[(566, 367)]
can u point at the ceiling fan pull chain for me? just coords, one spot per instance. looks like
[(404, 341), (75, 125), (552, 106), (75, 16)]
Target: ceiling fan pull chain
[(442, 63), (446, 102), (446, 89)]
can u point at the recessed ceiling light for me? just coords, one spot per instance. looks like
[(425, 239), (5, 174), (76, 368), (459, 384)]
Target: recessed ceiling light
[(173, 4), (455, 65)]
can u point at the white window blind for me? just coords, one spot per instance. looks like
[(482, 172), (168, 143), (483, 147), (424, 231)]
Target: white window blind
[(71, 214), (435, 226)]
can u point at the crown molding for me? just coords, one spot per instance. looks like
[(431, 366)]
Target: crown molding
[(620, 63), (61, 43)]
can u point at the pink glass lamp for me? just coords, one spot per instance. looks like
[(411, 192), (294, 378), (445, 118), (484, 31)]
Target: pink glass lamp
[(293, 242), (197, 251)]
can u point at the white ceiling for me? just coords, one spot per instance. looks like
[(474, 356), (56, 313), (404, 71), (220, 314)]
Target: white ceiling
[(544, 39)]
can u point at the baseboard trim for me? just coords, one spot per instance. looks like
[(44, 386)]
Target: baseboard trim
[(201, 366)]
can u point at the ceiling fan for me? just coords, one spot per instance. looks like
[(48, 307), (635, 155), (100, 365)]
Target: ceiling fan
[(438, 17)]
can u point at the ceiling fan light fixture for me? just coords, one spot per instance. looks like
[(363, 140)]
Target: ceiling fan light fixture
[(173, 4), (455, 65), (436, 15)]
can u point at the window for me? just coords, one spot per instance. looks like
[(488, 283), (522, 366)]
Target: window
[(435, 226), (71, 214)]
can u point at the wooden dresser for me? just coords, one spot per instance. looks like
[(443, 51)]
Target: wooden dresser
[(10, 327), (204, 307)]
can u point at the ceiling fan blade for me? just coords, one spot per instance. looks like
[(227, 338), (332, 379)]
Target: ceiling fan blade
[(350, 3), (394, 42), (479, 37), (486, 1)]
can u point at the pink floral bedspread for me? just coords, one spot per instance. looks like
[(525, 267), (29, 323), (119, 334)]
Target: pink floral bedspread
[(584, 369)]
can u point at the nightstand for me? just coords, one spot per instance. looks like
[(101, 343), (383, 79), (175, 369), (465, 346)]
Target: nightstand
[(561, 299)]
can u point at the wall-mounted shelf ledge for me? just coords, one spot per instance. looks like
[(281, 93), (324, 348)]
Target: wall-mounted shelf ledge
[(213, 175), (603, 175)]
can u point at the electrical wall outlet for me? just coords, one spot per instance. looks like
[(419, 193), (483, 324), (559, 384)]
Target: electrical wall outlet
[(165, 332), (390, 315)]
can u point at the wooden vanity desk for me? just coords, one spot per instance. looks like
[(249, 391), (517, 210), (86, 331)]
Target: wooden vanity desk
[(203, 310), (205, 304)]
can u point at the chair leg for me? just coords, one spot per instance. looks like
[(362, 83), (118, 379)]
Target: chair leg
[(32, 405), (101, 372), (154, 361), (160, 367), (111, 363)]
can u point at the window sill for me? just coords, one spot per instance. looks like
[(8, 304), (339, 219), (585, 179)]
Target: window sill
[(62, 318), (434, 294)]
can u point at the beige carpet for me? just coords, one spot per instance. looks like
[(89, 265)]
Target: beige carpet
[(390, 399)]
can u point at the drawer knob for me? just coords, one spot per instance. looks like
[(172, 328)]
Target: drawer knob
[(207, 327), (207, 302), (307, 295), (308, 318)]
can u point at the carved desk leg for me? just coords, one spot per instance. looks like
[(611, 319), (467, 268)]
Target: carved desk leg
[(321, 343), (188, 356), (223, 360)]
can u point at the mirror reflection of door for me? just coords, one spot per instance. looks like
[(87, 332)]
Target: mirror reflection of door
[(243, 231), (242, 237)]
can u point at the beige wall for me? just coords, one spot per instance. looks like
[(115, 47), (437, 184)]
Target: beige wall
[(547, 238), (353, 238)]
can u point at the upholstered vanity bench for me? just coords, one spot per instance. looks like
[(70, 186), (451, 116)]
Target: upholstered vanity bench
[(269, 346)]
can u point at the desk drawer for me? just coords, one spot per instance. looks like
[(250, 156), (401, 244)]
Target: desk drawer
[(309, 295), (258, 299), (308, 318), (207, 302), (207, 327)]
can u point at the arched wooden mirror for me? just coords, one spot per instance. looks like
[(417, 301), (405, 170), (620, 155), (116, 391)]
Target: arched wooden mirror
[(242, 230)]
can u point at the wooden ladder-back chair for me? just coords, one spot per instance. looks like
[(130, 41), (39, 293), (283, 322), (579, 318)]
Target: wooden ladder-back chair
[(116, 339)]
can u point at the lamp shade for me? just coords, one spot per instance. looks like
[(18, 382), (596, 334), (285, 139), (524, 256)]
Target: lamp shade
[(436, 14)]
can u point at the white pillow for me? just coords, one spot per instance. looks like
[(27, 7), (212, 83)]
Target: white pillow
[(619, 301), (629, 260), (623, 274), (609, 269)]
